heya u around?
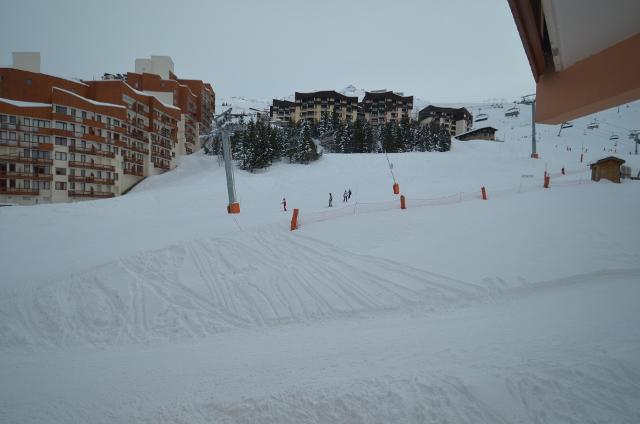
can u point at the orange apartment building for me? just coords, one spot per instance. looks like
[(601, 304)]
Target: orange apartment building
[(196, 100), (63, 140)]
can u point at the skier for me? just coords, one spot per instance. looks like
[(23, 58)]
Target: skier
[(330, 200), (349, 194), (284, 204), (344, 196)]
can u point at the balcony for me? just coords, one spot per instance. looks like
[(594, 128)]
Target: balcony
[(138, 135), (138, 149), (10, 127), (91, 180), (161, 165), (93, 137), (134, 172), (92, 151), (26, 176), (93, 123), (161, 154), (5, 142), (62, 117), (133, 159), (60, 132), (19, 191), (25, 159), (92, 165), (91, 193)]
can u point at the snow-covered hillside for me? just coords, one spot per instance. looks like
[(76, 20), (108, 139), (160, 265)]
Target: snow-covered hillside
[(158, 306)]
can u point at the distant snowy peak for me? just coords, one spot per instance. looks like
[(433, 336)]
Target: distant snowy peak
[(352, 91)]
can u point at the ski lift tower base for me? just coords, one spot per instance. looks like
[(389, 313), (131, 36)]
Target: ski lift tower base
[(535, 156), (233, 208)]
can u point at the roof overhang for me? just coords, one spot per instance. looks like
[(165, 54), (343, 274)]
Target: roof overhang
[(583, 54)]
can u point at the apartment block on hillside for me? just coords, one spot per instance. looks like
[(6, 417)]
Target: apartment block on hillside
[(64, 140), (380, 107), (455, 120), (282, 111), (311, 106)]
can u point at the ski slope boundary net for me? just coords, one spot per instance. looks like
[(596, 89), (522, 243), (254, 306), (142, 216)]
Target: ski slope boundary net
[(557, 180)]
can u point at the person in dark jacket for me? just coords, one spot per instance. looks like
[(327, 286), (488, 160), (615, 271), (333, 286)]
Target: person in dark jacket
[(349, 194), (284, 204), (330, 200)]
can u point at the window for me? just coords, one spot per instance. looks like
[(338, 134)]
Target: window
[(61, 171), (28, 81), (26, 121), (84, 114), (61, 125), (12, 120), (73, 113), (61, 141), (61, 156), (61, 185), (61, 110)]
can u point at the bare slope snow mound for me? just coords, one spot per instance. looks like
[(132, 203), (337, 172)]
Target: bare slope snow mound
[(205, 286)]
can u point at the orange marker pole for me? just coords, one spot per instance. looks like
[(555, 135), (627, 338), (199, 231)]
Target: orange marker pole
[(294, 219), (547, 180), (403, 204), (396, 188), (484, 193)]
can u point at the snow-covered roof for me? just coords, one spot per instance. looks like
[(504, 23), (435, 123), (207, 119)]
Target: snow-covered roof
[(142, 93), (19, 103), (93, 102)]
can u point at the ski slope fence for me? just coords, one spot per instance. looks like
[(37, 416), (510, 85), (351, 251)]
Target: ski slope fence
[(557, 180)]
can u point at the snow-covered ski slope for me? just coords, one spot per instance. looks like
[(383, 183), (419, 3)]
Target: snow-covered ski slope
[(159, 307)]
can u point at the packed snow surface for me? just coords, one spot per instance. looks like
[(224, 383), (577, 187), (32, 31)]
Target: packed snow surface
[(160, 307)]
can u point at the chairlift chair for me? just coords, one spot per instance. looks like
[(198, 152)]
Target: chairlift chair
[(593, 125), (566, 125), (614, 136), (481, 117), (514, 111)]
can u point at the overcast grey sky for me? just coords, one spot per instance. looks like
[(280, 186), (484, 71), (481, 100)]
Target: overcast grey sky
[(441, 50)]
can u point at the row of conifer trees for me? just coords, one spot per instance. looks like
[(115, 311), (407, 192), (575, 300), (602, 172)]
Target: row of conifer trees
[(261, 144)]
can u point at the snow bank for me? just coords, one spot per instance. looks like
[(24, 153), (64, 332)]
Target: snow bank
[(158, 306)]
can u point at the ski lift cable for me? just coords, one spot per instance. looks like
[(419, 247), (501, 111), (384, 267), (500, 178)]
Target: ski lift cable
[(615, 126)]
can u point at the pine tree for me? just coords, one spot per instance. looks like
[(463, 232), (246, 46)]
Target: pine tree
[(370, 144), (358, 137), (347, 138)]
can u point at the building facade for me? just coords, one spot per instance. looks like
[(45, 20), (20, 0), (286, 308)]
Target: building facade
[(63, 140), (282, 111), (455, 120), (381, 107), (311, 106), (484, 133)]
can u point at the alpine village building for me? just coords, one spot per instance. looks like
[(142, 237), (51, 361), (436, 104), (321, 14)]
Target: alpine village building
[(381, 107), (455, 120), (63, 140), (376, 108)]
